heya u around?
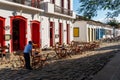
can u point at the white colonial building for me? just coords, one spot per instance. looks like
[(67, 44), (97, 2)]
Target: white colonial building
[(88, 30), (45, 22)]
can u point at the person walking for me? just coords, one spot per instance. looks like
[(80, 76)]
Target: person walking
[(27, 53)]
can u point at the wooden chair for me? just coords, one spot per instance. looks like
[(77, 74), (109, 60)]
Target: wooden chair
[(5, 53), (39, 61), (68, 51), (73, 47), (57, 50)]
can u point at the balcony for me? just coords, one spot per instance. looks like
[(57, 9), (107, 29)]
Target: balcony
[(46, 6), (62, 10), (27, 3), (52, 8)]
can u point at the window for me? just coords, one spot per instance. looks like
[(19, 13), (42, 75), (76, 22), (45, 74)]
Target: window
[(35, 3), (52, 1), (76, 32), (19, 1), (69, 4), (62, 3)]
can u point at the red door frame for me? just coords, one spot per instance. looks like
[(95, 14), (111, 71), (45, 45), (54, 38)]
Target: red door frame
[(11, 30), (2, 30), (68, 33), (52, 37), (38, 40), (60, 33)]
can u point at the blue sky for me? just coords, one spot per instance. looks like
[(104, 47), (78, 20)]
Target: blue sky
[(101, 14)]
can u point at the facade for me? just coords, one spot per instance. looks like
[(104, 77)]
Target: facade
[(117, 32), (45, 22), (87, 31)]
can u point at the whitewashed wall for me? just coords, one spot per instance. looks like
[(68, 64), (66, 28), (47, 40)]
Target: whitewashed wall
[(71, 31), (117, 32), (58, 2), (6, 11), (82, 31)]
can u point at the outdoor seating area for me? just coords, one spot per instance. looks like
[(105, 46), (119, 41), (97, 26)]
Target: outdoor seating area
[(40, 57), (37, 58), (63, 51), (112, 39)]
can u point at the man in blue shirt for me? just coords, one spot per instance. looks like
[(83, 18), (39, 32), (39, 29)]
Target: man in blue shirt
[(27, 52)]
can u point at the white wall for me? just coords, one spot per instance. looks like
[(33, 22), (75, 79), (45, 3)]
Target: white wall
[(117, 32), (82, 31), (58, 2), (66, 4), (6, 11), (45, 31)]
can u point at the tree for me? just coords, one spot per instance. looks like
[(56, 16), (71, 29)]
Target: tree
[(114, 23), (89, 7)]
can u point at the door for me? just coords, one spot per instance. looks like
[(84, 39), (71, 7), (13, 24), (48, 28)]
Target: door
[(68, 33), (15, 35), (51, 33), (2, 31), (60, 33), (18, 32), (22, 34), (36, 32)]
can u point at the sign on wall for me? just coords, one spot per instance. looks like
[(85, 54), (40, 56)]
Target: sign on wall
[(76, 31), (7, 37)]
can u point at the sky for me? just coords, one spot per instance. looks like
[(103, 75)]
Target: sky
[(101, 14)]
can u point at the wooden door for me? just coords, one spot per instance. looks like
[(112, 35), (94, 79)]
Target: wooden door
[(36, 33)]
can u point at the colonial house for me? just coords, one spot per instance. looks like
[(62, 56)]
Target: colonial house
[(45, 22), (89, 30)]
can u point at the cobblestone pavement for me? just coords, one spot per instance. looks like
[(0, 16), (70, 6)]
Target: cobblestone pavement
[(79, 67)]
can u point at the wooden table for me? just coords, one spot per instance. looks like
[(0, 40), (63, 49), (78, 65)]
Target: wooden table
[(39, 59)]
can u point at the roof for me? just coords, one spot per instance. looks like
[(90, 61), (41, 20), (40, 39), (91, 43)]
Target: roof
[(92, 22)]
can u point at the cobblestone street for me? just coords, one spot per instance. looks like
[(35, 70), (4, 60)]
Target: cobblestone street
[(79, 67)]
